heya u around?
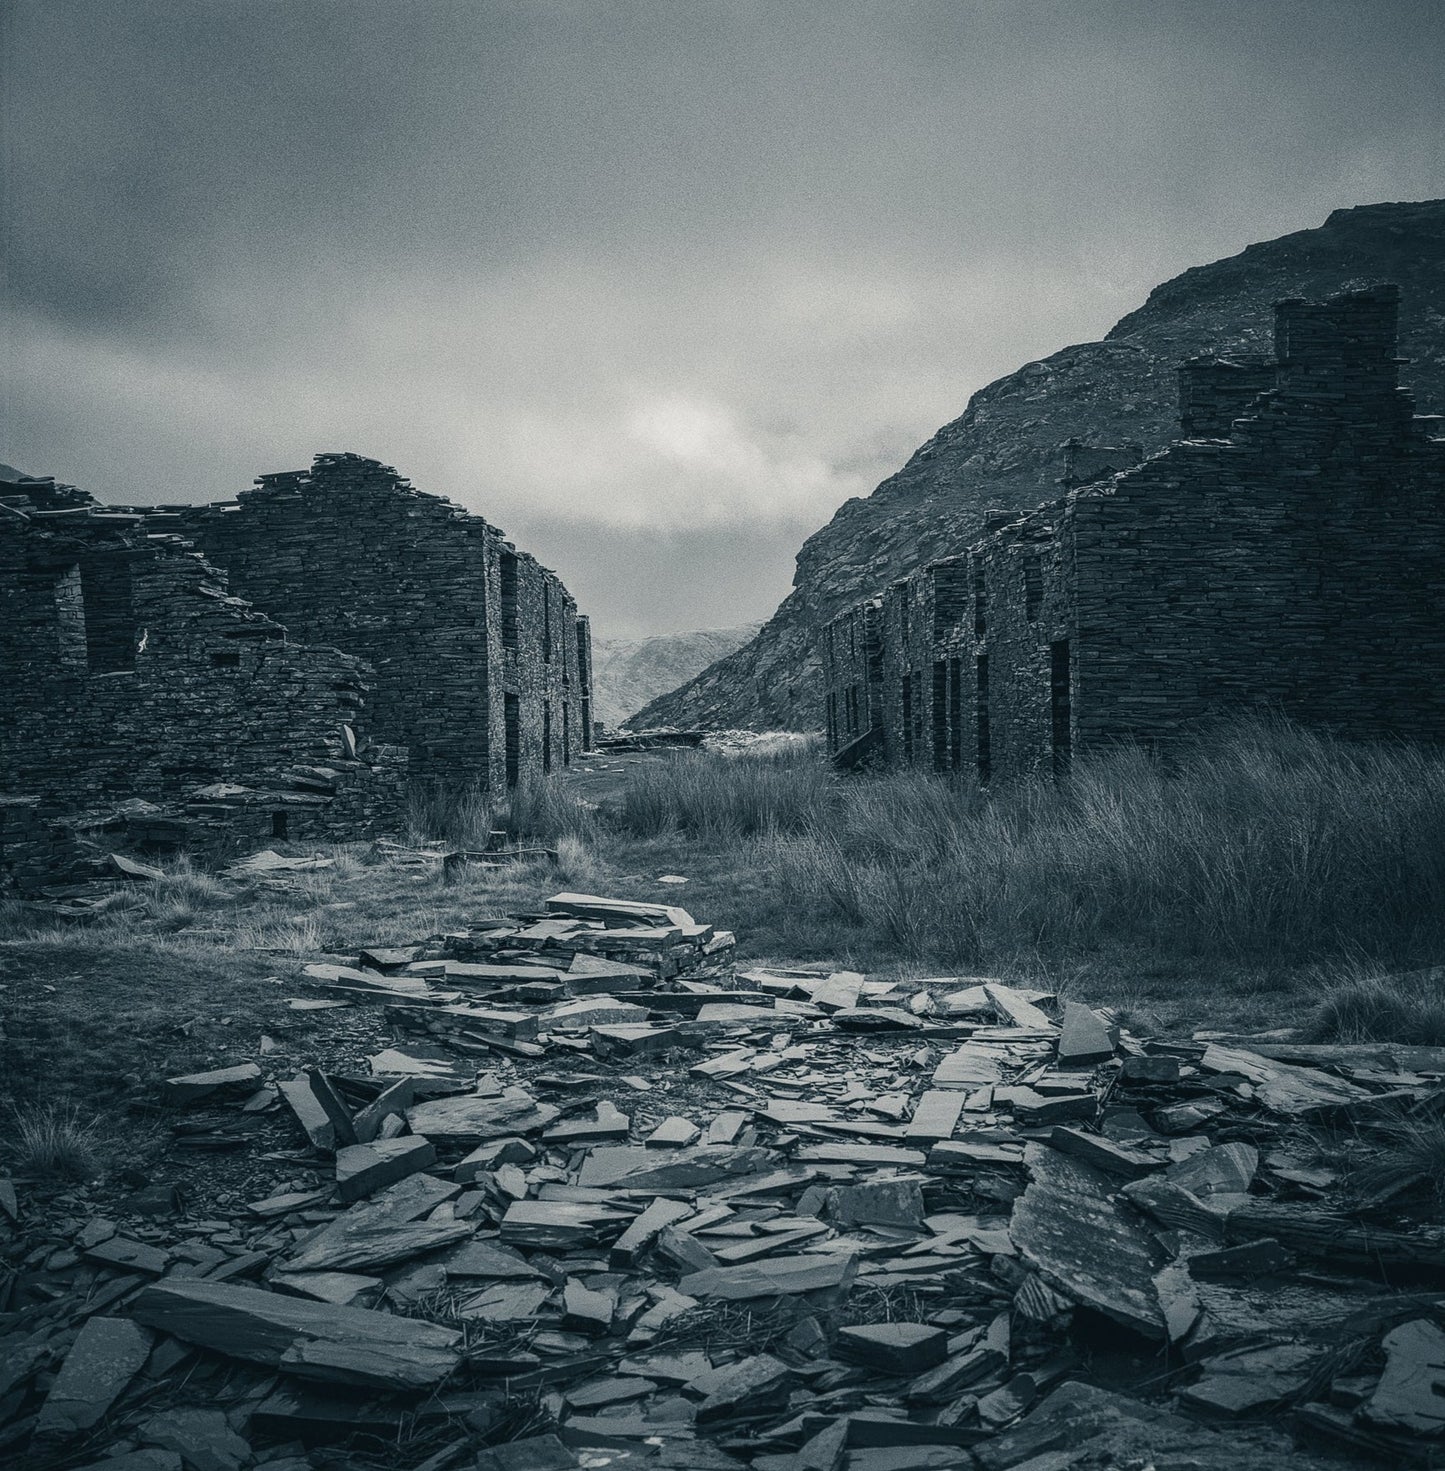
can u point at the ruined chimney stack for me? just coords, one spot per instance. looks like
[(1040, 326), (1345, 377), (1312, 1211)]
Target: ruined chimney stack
[(1341, 351), (1214, 392)]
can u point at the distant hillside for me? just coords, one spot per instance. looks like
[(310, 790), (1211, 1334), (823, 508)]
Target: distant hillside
[(1005, 450), (627, 673)]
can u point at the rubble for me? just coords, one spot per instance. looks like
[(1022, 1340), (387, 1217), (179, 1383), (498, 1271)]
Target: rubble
[(787, 1244)]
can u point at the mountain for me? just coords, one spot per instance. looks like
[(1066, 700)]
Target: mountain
[(1005, 450), (627, 673)]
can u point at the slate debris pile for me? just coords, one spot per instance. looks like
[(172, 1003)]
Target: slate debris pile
[(844, 1223)]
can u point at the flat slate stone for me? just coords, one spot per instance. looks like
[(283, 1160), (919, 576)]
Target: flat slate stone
[(1013, 1007), (487, 1259), (878, 1203), (363, 1169), (1296, 1092), (1083, 1037), (239, 1081), (202, 1438), (809, 1272), (608, 1122), (673, 1133), (1251, 1379), (106, 1355), (645, 1229), (969, 1066), (474, 1120), (507, 1302), (1067, 1226), (1104, 1154), (344, 1289), (746, 1387), (893, 1348), (1411, 1392), (558, 1223), (935, 1117), (309, 1339)]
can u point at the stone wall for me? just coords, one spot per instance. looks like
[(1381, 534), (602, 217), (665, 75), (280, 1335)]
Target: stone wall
[(852, 661), (482, 668), (1288, 555), (130, 672)]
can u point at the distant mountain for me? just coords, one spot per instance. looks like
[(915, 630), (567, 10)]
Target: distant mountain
[(627, 673), (9, 472), (1006, 448)]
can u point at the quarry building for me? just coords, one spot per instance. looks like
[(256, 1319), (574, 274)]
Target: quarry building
[(1285, 554), (280, 667)]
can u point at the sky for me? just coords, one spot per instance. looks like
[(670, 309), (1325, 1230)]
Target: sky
[(653, 285)]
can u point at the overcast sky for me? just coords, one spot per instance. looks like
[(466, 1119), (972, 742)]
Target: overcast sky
[(654, 285)]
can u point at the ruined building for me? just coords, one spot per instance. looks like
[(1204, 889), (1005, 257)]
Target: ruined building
[(272, 668), (145, 706), (1287, 553), (481, 663)]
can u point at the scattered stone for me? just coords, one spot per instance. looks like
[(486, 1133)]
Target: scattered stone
[(1083, 1037), (1411, 1393), (1067, 1225)]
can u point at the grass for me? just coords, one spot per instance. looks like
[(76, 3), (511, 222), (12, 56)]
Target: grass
[(1397, 1157), (56, 1142), (720, 799), (1408, 1008), (1260, 844), (1264, 877)]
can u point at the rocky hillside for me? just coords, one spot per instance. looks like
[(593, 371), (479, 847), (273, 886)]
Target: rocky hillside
[(1005, 449), (627, 673)]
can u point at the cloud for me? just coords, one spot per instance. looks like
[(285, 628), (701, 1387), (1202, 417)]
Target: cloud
[(636, 280)]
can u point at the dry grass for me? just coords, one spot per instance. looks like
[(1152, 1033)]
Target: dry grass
[(1265, 875), (54, 1141), (1402, 1158), (723, 798), (1408, 1008), (1260, 844)]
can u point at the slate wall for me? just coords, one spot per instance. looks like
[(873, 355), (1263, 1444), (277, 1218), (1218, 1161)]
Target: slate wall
[(130, 672), (482, 667), (1288, 555), (852, 675)]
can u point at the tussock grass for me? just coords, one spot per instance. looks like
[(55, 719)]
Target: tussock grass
[(720, 798), (457, 813), (1257, 843), (56, 1142), (1408, 1008), (1404, 1156), (543, 809)]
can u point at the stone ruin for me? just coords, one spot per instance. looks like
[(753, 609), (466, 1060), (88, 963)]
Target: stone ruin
[(1286, 554), (381, 636)]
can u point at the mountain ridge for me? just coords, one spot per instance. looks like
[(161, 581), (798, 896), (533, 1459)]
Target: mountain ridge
[(1005, 449)]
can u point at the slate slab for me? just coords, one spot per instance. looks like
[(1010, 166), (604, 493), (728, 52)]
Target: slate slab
[(363, 1169), (309, 1339), (472, 1120), (106, 1355), (1411, 1392), (892, 1348), (1067, 1226)]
